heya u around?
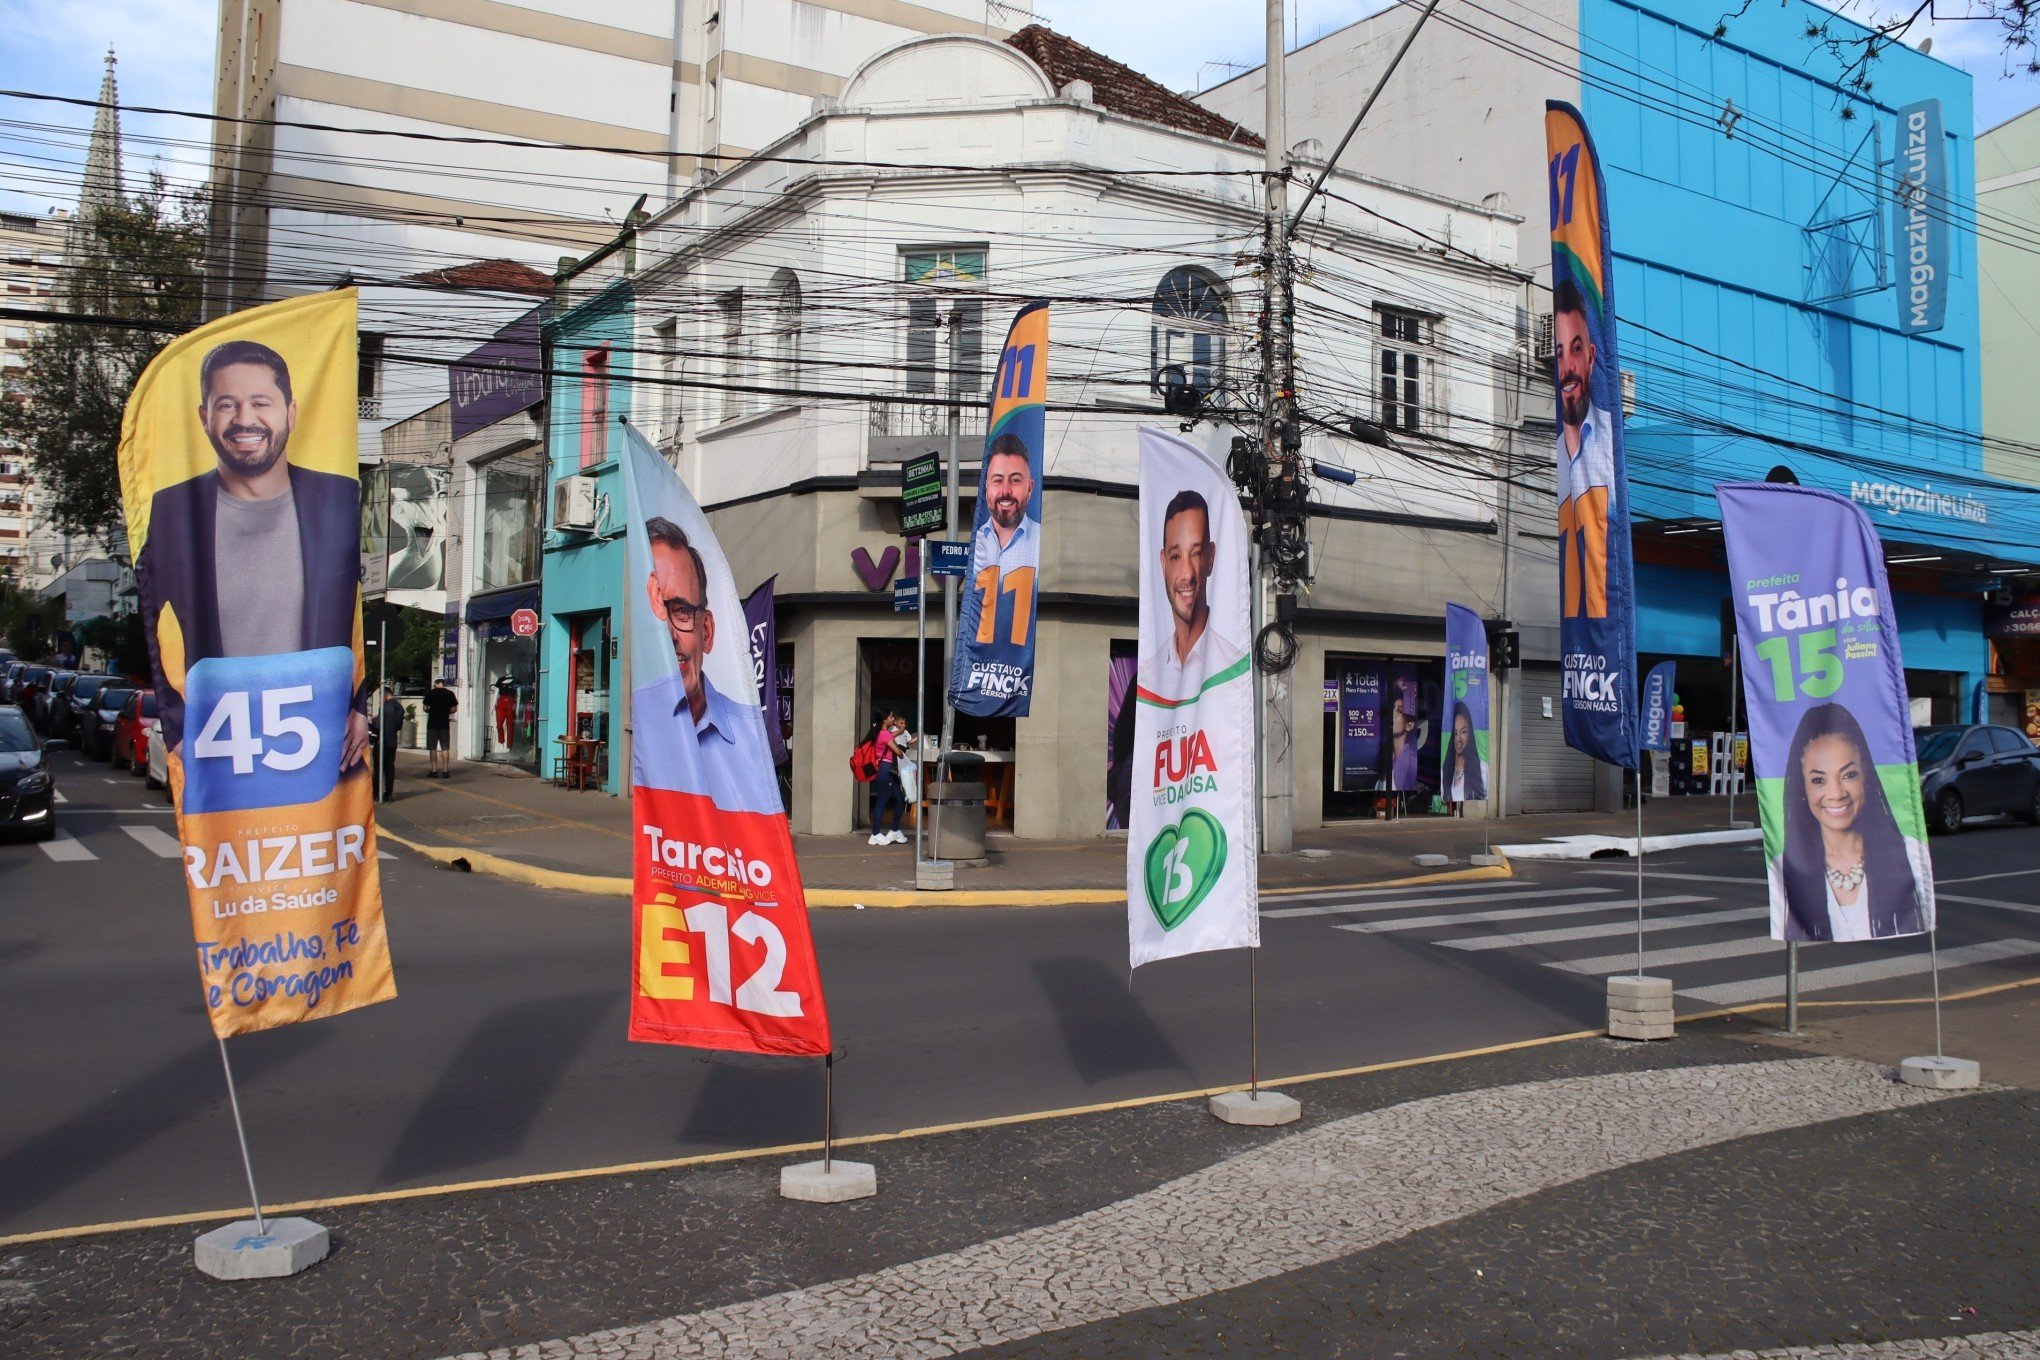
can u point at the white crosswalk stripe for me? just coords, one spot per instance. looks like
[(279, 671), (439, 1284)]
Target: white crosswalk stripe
[(1471, 918), (1914, 961), (2029, 907), (1665, 958), (156, 841), (1566, 934), (66, 848), (1397, 903)]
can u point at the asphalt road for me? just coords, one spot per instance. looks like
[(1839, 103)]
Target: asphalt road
[(504, 1052)]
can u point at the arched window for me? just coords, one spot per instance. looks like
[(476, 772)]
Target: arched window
[(1189, 327), (785, 338)]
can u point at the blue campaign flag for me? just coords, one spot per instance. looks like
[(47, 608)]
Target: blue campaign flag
[(993, 675), (1465, 760), (1831, 736), (1657, 707), (1597, 582)]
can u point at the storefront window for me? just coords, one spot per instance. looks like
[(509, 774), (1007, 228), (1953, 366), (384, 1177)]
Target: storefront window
[(510, 504), (506, 694)]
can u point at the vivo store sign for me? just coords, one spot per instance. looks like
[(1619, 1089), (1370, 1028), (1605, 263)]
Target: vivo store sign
[(1898, 498)]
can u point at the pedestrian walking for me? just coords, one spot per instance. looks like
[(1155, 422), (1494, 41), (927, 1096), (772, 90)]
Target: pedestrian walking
[(440, 705), (888, 794), (386, 728)]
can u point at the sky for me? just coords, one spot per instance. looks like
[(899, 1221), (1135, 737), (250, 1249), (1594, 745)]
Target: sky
[(166, 50)]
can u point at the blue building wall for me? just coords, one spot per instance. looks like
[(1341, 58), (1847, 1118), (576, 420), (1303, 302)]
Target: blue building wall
[(1728, 319), (583, 573)]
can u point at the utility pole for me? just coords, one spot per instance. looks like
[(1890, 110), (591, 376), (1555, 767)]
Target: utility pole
[(1277, 748)]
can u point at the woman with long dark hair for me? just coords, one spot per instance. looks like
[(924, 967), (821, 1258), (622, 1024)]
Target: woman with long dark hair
[(1847, 871), (1464, 778)]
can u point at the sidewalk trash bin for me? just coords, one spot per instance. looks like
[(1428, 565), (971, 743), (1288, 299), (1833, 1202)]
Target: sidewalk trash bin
[(956, 819)]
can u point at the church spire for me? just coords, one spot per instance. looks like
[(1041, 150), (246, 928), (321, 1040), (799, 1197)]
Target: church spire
[(103, 187)]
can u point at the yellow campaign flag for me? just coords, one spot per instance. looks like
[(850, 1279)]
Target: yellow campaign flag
[(238, 474)]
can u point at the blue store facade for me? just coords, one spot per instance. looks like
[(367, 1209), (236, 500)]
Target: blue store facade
[(1762, 277)]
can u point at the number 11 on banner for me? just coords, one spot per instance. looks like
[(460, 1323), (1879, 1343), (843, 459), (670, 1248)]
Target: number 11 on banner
[(1018, 583)]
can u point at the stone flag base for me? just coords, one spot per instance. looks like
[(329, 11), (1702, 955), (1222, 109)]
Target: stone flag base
[(1640, 1008), (1942, 1074), (1486, 861), (842, 1181), (1240, 1107), (238, 1252)]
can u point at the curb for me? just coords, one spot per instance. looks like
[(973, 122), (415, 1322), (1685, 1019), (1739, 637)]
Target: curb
[(601, 885)]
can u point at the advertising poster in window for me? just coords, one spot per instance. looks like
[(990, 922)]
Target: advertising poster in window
[(417, 535), (1191, 854), (1360, 727), (1465, 746), (993, 675), (238, 471), (1596, 582), (1838, 784), (722, 957)]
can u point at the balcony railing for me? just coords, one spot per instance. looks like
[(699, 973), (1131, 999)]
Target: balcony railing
[(904, 425)]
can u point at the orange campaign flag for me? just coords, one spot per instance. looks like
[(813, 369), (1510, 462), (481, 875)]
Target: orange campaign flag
[(238, 475), (722, 954)]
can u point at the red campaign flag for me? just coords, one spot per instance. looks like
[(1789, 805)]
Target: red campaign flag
[(721, 952)]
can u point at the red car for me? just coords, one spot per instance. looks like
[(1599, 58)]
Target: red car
[(131, 731)]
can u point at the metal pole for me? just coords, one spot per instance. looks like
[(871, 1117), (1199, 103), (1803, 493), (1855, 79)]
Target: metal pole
[(828, 1110), (1254, 1023), (949, 594), (1792, 986), (247, 1163), (920, 701), (1934, 955), (382, 693), (1277, 361), (1639, 868), (1374, 94)]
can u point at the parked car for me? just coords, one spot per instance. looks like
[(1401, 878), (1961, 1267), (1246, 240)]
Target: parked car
[(67, 720), (51, 700), (95, 727), (131, 732), (10, 669), (27, 784), (156, 765), (28, 684), (1970, 771)]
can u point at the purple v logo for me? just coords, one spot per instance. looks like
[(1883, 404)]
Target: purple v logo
[(875, 575)]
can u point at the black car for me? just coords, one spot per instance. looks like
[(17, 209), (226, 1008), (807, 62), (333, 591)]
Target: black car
[(1969, 771), (94, 733), (27, 785), (67, 720)]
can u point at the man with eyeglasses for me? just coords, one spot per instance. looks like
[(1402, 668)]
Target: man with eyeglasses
[(686, 735)]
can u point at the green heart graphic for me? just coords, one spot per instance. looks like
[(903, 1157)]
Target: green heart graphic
[(1184, 862)]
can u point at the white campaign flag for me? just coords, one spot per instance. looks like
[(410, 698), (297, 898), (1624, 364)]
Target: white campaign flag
[(1191, 850)]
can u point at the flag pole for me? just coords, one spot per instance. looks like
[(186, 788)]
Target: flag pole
[(1254, 1023), (241, 1132), (1639, 868), (828, 1111)]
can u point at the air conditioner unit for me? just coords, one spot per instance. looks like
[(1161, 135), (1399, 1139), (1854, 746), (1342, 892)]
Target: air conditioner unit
[(573, 506), (1628, 393)]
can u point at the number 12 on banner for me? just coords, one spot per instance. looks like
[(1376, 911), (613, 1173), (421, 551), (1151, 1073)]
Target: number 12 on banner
[(1019, 583), (665, 957)]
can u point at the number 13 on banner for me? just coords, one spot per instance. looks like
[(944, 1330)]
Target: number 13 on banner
[(1018, 583)]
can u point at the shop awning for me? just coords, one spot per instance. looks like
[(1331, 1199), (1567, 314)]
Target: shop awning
[(502, 604)]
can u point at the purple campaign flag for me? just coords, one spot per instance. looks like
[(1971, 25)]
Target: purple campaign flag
[(762, 628), (1831, 740), (1657, 707), (1464, 768)]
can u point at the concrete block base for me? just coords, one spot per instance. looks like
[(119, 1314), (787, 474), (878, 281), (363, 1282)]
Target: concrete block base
[(238, 1252), (842, 1181), (1941, 1074), (1240, 1107), (1486, 861), (935, 875), (1638, 1007), (1431, 861), (1619, 1028), (1630, 985)]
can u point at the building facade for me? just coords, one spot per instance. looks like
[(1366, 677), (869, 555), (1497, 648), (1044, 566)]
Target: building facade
[(551, 119), (1760, 281), (31, 275), (791, 331)]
